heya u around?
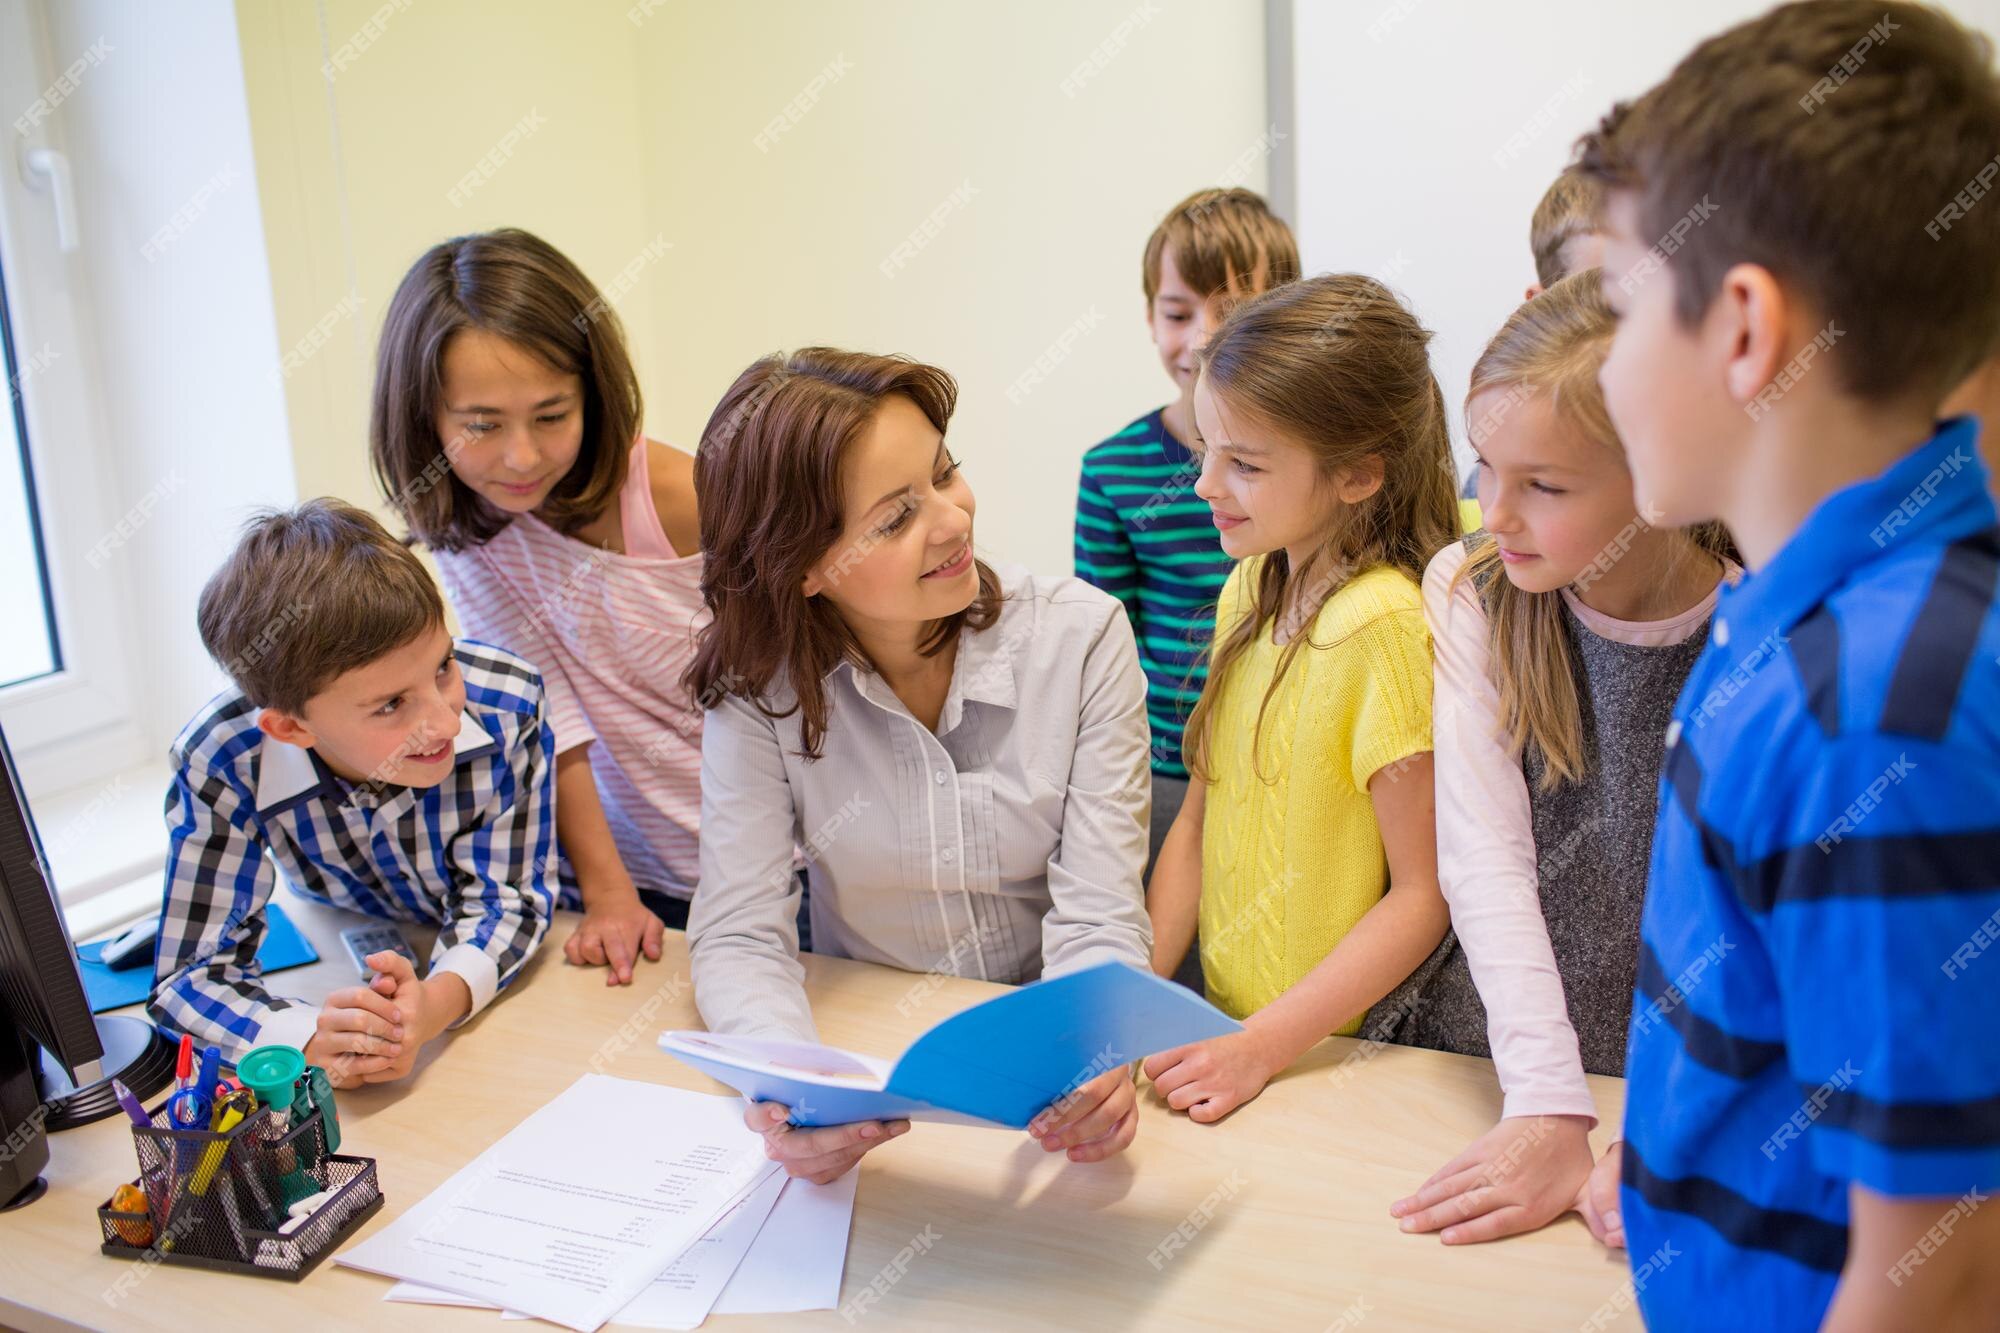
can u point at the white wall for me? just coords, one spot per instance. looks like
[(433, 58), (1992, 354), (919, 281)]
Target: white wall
[(652, 114), (1407, 157)]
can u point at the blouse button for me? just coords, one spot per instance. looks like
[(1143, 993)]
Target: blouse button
[(948, 856), (939, 775)]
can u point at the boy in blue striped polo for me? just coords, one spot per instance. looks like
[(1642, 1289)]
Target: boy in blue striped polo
[(1142, 534), (1813, 1116), (381, 766)]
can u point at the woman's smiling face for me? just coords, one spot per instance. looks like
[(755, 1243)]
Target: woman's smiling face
[(904, 555)]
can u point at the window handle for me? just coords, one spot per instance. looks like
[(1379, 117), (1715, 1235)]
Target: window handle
[(50, 166)]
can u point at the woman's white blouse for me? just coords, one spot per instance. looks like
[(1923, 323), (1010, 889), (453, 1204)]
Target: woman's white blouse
[(1011, 841)]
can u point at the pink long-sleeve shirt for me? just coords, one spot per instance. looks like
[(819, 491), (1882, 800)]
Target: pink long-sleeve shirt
[(611, 633)]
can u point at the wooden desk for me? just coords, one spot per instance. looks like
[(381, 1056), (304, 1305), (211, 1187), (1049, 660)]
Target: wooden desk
[(1275, 1219)]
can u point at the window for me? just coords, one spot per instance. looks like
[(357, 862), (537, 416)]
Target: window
[(67, 680), (28, 647)]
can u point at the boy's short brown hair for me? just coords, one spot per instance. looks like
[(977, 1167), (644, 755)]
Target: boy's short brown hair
[(1571, 206), (1826, 141), (310, 593), (1223, 240)]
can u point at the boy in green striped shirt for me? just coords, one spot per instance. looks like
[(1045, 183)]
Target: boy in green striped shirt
[(1142, 534)]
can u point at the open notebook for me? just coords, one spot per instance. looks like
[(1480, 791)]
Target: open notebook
[(1001, 1062)]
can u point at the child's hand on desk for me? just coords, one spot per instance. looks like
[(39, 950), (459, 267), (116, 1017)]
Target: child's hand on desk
[(428, 1006), (613, 934), (360, 1033), (1522, 1174), (1598, 1199), (1211, 1078), (1095, 1121), (820, 1155)]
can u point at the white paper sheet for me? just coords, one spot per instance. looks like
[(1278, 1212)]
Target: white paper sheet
[(795, 1262), (680, 1297), (580, 1206), (799, 1255)]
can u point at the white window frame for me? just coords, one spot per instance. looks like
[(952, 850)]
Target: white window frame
[(79, 724)]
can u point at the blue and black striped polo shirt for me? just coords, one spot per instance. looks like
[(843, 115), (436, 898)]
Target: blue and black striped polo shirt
[(1819, 966), (1145, 537)]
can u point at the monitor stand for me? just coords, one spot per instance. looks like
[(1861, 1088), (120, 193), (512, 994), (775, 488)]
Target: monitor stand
[(136, 1053)]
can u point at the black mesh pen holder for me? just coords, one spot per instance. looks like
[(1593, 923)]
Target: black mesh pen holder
[(221, 1199)]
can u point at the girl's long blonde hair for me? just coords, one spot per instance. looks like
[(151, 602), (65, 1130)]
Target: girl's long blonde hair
[(1338, 364), (1552, 345)]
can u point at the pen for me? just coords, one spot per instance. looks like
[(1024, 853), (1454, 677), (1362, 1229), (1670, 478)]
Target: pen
[(184, 1063), (132, 1106), (211, 1070)]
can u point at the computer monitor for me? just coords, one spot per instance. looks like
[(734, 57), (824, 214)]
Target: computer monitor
[(56, 1059)]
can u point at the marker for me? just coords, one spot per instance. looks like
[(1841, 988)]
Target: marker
[(131, 1105), (211, 1071)]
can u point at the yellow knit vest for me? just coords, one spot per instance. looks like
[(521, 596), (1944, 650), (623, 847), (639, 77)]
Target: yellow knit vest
[(1291, 859)]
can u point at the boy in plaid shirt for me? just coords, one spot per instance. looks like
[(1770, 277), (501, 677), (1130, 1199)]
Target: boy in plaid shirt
[(382, 766)]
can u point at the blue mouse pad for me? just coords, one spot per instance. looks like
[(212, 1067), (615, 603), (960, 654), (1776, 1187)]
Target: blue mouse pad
[(283, 947)]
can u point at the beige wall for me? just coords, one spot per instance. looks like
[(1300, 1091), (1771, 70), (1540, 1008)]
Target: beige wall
[(1047, 138)]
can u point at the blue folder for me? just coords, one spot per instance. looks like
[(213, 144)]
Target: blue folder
[(1002, 1062), (281, 947)]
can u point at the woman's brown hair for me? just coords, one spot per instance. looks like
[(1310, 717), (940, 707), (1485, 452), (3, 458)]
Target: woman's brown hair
[(1552, 345), (521, 288), (1335, 363), (767, 476)]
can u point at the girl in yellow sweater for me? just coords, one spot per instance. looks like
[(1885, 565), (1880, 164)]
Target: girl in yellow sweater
[(1306, 850)]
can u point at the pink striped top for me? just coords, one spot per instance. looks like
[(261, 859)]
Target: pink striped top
[(611, 635)]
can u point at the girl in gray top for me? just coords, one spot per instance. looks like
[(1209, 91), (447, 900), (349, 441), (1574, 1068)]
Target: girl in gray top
[(1562, 634), (961, 752)]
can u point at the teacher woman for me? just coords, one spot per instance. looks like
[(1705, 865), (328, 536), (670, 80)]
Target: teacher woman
[(960, 751)]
